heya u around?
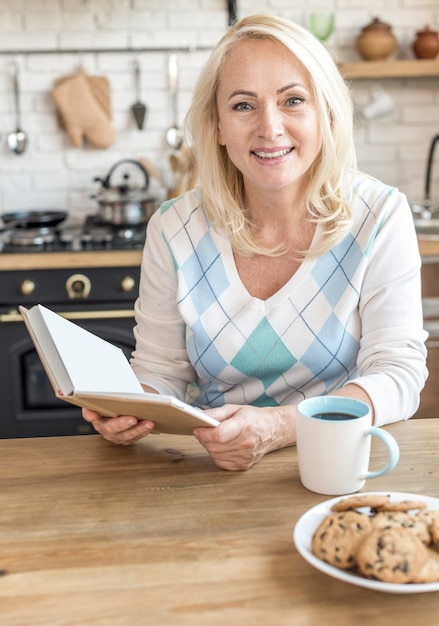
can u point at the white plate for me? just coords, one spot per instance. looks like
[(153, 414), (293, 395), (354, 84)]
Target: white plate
[(307, 524)]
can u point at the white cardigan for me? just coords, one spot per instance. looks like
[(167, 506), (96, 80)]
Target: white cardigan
[(352, 315)]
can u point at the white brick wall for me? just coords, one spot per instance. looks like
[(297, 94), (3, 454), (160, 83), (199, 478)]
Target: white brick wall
[(53, 174)]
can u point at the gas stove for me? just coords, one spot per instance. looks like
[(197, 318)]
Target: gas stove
[(90, 235), (98, 295)]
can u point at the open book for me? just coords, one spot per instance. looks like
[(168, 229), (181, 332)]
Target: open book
[(92, 373)]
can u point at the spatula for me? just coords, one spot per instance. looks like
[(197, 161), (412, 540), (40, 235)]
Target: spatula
[(138, 108)]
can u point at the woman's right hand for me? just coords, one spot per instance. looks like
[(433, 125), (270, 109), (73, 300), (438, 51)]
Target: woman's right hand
[(123, 430)]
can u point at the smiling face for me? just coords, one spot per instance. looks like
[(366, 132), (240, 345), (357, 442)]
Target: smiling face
[(267, 118)]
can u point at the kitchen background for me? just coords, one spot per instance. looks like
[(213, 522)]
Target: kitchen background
[(52, 173)]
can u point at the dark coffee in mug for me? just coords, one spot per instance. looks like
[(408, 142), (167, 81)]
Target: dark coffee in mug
[(333, 444), (334, 417)]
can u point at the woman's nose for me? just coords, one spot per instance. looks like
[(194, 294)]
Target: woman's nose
[(270, 122)]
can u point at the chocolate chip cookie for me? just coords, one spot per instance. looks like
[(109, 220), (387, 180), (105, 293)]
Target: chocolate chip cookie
[(429, 572), (358, 501), (402, 505), (401, 519), (393, 555), (338, 537)]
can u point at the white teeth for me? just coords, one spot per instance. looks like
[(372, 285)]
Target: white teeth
[(272, 155)]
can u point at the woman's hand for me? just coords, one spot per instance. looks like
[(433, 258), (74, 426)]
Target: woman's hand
[(123, 430), (246, 434)]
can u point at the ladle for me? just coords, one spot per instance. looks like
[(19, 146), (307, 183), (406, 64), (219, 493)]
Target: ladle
[(174, 134), (17, 140)]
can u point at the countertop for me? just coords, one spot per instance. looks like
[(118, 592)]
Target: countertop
[(428, 247), (156, 535), (84, 259), (114, 258)]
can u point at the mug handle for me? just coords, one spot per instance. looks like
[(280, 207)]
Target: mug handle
[(392, 448)]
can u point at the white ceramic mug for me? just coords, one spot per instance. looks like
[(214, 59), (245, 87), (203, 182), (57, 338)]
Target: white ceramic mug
[(381, 103), (333, 444)]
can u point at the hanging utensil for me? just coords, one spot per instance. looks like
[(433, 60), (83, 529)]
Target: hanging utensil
[(174, 134), (138, 108), (17, 140)]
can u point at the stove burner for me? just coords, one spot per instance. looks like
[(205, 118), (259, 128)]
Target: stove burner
[(92, 234), (100, 235), (97, 233), (32, 236)]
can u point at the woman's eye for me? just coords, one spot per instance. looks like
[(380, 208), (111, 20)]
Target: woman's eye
[(242, 106), (294, 101)]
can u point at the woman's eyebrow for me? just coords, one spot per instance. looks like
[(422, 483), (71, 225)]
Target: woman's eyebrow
[(290, 86), (245, 92), (242, 92)]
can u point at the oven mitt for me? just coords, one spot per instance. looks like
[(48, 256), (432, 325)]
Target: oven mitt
[(81, 109), (100, 88)]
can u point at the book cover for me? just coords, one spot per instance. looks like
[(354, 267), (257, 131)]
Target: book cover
[(85, 370)]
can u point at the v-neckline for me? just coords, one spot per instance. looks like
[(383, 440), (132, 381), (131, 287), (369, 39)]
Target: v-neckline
[(236, 283)]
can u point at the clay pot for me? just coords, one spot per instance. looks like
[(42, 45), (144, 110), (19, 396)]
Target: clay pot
[(376, 41), (426, 44)]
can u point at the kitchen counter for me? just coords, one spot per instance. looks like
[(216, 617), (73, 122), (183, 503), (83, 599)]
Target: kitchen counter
[(113, 258), (69, 259), (428, 247), (155, 534)]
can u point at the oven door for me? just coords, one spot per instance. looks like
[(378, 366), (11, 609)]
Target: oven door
[(29, 405)]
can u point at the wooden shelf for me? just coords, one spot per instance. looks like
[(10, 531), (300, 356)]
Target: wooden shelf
[(416, 68)]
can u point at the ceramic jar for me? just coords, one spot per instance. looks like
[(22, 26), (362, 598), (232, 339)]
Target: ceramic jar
[(426, 44), (376, 41)]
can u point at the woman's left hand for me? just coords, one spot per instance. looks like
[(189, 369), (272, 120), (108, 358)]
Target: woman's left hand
[(246, 434)]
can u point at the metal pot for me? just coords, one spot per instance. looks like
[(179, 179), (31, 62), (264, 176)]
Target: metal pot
[(122, 205), (125, 209)]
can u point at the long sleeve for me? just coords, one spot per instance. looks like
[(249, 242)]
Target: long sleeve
[(391, 359), (160, 359)]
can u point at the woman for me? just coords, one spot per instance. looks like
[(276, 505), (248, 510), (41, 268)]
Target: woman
[(286, 274)]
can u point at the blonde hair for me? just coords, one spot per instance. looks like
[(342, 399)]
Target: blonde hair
[(221, 183)]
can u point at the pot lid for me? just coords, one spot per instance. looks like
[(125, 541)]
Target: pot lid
[(123, 194), (376, 24)]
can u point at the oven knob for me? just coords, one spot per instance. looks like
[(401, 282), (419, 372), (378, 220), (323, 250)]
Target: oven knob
[(78, 286), (27, 287), (128, 283)]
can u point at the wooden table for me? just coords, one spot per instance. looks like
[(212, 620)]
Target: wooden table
[(155, 534)]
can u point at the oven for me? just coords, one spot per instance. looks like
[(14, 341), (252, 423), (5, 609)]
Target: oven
[(92, 282)]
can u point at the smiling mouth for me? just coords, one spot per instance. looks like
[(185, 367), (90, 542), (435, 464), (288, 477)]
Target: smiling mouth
[(272, 155)]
